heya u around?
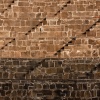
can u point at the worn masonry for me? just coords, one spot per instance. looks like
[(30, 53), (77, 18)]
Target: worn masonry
[(49, 49)]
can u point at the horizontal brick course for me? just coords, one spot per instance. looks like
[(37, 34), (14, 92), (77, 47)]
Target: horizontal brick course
[(33, 90), (50, 68)]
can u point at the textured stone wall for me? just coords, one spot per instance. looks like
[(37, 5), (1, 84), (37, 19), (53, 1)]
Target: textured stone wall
[(15, 68), (40, 28), (49, 49), (53, 79), (50, 90)]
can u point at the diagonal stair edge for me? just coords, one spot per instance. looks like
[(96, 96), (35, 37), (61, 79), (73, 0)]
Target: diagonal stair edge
[(33, 28), (67, 44), (9, 6)]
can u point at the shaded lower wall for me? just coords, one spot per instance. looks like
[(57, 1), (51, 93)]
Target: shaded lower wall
[(50, 90), (52, 79)]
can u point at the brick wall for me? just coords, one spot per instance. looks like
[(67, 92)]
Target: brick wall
[(49, 50), (53, 79), (37, 90), (36, 29)]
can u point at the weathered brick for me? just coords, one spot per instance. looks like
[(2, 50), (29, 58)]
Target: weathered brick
[(98, 93), (80, 8), (5, 75), (22, 9), (45, 86), (52, 86), (47, 92), (41, 28), (51, 70), (23, 4), (64, 15), (59, 70)]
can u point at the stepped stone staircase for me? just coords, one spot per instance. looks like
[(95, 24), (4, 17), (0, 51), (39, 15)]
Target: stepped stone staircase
[(49, 50)]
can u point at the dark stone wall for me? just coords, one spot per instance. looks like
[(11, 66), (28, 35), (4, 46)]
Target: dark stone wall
[(49, 90), (50, 79)]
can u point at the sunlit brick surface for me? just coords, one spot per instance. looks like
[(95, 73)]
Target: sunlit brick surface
[(39, 28)]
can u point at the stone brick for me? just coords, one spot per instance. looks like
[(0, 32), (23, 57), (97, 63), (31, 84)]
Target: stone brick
[(52, 86), (50, 8), (47, 92), (97, 3), (94, 98), (98, 93), (87, 94), (2, 93), (19, 75), (80, 8), (23, 4), (59, 70), (62, 86), (50, 48), (64, 15), (66, 76), (45, 86), (25, 54), (97, 75), (22, 9), (70, 8), (45, 64), (73, 94), (67, 33), (51, 70), (5, 75)]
